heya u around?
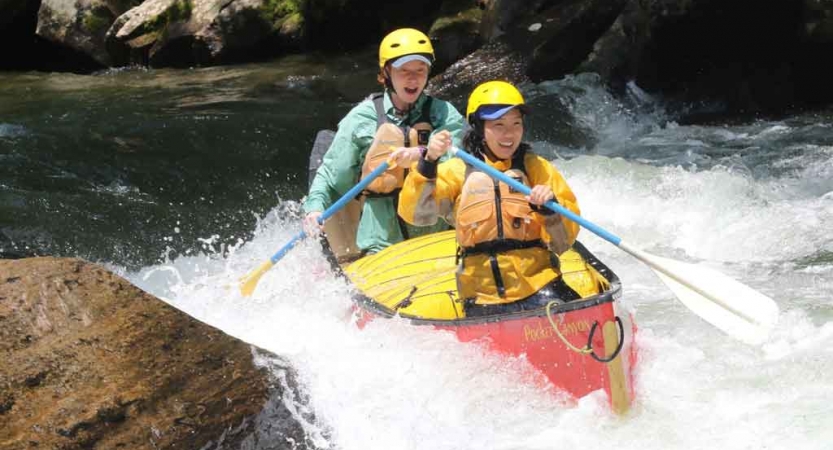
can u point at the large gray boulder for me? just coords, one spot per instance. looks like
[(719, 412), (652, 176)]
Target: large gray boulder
[(456, 31), (81, 25), (202, 32), (750, 55), (532, 44)]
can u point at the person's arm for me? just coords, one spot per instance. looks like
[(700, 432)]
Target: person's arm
[(561, 232), (429, 192), (339, 170), (448, 119)]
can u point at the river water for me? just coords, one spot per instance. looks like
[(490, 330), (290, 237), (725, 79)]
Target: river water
[(185, 180)]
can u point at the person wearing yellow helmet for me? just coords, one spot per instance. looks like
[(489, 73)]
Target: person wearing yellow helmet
[(400, 123), (405, 56), (508, 243)]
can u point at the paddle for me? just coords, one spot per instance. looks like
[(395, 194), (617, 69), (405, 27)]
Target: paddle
[(726, 303), (249, 282)]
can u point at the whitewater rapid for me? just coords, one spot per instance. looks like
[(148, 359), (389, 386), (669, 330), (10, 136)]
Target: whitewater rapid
[(763, 219)]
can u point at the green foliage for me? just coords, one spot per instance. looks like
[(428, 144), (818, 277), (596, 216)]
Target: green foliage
[(292, 22), (97, 20), (178, 12), (454, 16), (274, 10)]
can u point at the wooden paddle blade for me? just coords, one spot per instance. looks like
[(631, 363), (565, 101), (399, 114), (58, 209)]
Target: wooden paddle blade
[(249, 282), (726, 303)]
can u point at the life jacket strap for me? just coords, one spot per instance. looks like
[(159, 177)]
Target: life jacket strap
[(494, 248), (370, 194), (378, 99), (501, 288), (501, 246)]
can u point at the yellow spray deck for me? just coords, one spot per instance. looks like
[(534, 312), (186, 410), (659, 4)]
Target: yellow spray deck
[(416, 278)]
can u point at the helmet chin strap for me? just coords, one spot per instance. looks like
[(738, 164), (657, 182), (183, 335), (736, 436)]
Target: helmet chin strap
[(479, 131), (388, 82), (489, 153)]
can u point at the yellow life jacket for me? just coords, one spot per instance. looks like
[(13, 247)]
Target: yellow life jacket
[(388, 138), (495, 223), (490, 212)]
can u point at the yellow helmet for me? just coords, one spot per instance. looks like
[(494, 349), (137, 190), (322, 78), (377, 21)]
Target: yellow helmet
[(405, 41), (494, 93)]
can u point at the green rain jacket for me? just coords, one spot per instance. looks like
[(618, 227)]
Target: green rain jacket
[(341, 168)]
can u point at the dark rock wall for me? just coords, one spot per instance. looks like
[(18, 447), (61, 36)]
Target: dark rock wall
[(746, 52), (22, 49), (753, 56)]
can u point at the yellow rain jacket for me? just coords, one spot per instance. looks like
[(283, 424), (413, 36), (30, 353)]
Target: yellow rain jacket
[(433, 191)]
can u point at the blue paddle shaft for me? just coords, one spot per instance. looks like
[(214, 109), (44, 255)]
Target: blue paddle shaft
[(334, 208), (520, 187)]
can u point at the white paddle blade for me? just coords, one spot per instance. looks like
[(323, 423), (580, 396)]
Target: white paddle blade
[(726, 303)]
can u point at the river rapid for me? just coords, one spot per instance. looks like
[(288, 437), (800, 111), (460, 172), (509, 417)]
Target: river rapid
[(185, 180)]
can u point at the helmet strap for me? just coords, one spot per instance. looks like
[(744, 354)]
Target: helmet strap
[(479, 135), (388, 82), (488, 152)]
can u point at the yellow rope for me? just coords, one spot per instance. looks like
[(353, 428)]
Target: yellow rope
[(572, 347)]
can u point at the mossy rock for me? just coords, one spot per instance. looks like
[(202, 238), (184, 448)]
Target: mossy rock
[(179, 11), (97, 20), (291, 24), (276, 10), (457, 18)]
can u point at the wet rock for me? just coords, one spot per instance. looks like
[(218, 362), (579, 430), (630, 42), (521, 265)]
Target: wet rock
[(745, 56), (200, 32), (455, 33), (559, 38), (500, 16), (531, 44), (748, 55), (616, 55), (350, 24), (91, 361), (81, 25), (494, 61)]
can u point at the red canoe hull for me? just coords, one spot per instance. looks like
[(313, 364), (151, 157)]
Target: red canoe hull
[(571, 371)]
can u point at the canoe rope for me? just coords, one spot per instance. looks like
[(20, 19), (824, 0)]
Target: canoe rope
[(588, 349), (572, 347)]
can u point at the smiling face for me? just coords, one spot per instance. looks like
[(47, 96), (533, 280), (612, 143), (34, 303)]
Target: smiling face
[(503, 135), (408, 82)]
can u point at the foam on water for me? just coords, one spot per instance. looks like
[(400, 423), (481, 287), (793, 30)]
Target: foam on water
[(714, 215), (392, 385)]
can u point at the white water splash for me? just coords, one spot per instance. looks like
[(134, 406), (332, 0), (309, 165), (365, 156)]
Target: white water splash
[(392, 385), (396, 386)]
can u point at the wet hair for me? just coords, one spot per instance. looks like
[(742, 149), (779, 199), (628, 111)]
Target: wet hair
[(475, 141)]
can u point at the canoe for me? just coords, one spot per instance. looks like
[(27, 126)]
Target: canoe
[(580, 347)]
